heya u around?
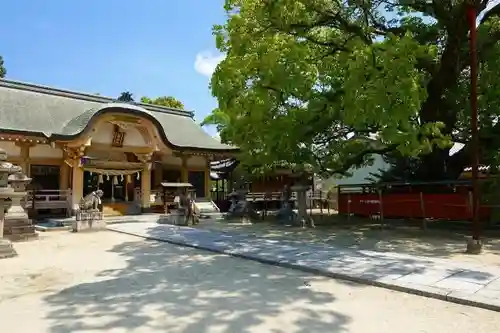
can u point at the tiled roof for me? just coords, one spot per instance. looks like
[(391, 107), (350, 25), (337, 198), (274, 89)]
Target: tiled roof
[(29, 108)]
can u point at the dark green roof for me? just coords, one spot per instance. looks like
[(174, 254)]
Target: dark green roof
[(55, 113)]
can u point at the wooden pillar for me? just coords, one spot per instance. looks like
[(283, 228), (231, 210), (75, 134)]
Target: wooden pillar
[(158, 174), (25, 156), (64, 174), (146, 187), (125, 187), (207, 178), (64, 177), (77, 187), (184, 169)]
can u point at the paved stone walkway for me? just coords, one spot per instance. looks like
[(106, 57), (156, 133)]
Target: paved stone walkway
[(448, 280)]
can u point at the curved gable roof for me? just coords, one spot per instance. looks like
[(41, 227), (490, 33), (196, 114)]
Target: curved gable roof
[(76, 125), (36, 109)]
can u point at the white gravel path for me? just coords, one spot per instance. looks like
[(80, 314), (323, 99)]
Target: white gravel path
[(110, 282)]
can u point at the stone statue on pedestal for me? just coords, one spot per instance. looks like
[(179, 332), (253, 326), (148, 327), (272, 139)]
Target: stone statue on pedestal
[(91, 201), (89, 217), (186, 213)]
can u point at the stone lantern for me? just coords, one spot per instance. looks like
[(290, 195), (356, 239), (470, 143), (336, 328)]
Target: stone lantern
[(6, 248), (241, 209), (301, 187), (18, 226)]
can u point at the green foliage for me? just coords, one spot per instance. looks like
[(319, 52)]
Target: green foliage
[(167, 101), (327, 83), (126, 97), (3, 71)]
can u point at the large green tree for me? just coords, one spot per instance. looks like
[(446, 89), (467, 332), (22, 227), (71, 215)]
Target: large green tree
[(328, 83), (3, 71), (167, 101)]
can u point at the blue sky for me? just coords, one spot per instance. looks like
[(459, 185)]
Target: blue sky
[(151, 48)]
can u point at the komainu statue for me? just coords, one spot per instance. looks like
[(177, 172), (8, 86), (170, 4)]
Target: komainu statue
[(188, 208), (88, 216), (91, 201)]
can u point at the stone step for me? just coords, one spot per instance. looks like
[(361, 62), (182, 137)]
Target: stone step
[(6, 249), (22, 237), (206, 206), (19, 230), (17, 223)]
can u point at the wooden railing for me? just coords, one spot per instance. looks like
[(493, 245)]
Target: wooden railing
[(49, 199), (277, 196), (156, 196), (267, 196)]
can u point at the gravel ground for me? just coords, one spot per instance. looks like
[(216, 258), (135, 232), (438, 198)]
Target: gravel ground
[(110, 282)]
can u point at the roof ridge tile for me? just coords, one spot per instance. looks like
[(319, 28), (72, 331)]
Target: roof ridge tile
[(43, 89)]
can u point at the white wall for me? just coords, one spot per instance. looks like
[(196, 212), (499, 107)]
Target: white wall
[(104, 134), (359, 176), (45, 151), (171, 160), (198, 162), (10, 148)]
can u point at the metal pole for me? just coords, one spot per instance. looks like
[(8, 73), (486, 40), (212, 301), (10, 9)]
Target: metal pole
[(422, 210), (476, 227)]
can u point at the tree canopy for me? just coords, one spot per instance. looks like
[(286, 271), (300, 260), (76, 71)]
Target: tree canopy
[(126, 97), (3, 71), (167, 101), (328, 83)]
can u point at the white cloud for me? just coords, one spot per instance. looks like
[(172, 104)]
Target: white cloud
[(206, 62)]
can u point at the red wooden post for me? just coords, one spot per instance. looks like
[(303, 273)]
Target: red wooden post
[(476, 227)]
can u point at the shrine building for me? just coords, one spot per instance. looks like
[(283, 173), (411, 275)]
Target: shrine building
[(72, 143)]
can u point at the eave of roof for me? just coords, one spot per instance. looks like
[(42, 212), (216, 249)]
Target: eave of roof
[(56, 113)]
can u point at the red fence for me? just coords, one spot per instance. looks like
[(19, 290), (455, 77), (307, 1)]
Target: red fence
[(449, 206)]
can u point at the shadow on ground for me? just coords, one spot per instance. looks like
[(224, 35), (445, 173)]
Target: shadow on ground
[(202, 291), (364, 234)]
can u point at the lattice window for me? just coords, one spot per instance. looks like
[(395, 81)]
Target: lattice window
[(118, 137)]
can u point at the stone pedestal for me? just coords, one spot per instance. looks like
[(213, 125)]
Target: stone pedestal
[(286, 214), (6, 248), (89, 221), (474, 246), (89, 215), (178, 217)]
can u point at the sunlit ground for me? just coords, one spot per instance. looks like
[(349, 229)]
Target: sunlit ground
[(109, 282)]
